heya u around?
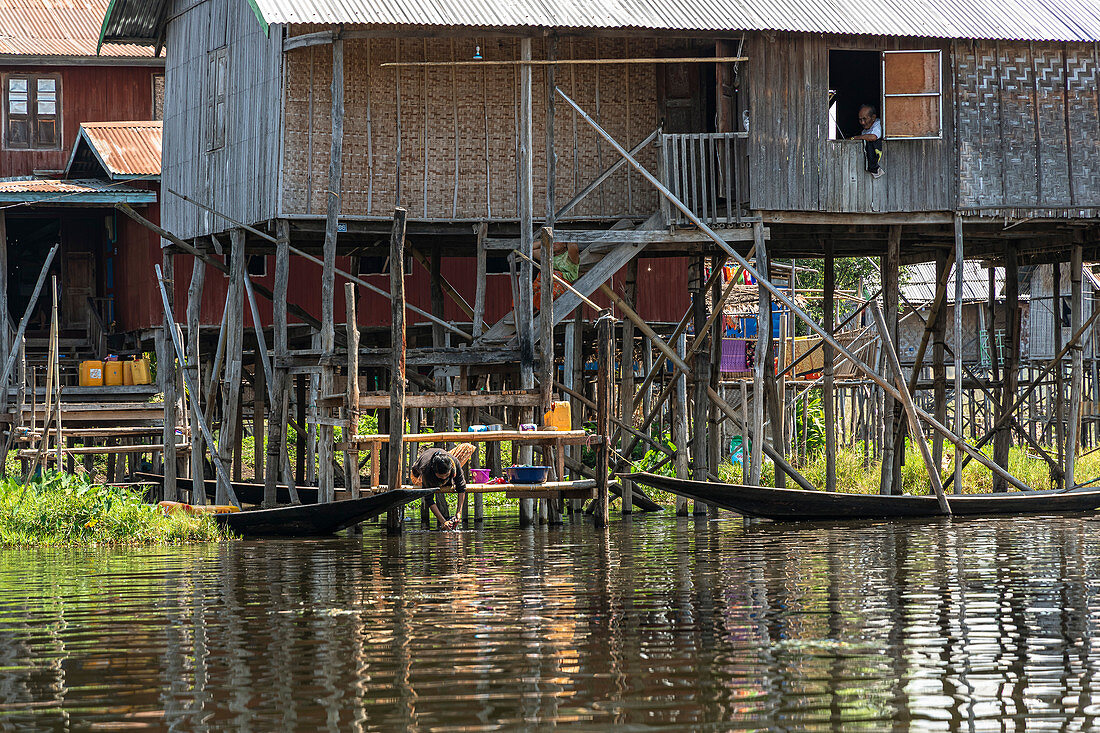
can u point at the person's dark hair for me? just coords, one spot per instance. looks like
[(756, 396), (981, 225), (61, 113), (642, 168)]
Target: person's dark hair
[(441, 464), (871, 108)]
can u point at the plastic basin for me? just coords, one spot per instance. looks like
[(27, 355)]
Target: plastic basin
[(527, 474), (481, 475)]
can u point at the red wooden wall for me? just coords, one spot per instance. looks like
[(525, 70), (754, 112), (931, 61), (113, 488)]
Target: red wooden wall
[(662, 288), (88, 94)]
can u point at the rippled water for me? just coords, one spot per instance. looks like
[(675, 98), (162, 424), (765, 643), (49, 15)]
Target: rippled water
[(659, 622)]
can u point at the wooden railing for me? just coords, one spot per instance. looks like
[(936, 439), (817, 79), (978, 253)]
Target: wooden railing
[(707, 171)]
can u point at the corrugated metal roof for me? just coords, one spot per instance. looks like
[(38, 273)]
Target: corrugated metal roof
[(124, 149), (57, 28), (51, 191), (1038, 20), (919, 283)]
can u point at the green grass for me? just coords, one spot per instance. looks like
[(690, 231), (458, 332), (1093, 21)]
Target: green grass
[(61, 509)]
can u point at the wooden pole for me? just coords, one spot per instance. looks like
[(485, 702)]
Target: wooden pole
[(1010, 359), (626, 377), (7, 345), (1073, 434), (9, 363), (166, 375), (351, 457), (525, 327), (700, 407), (278, 459), (234, 344), (604, 357), (546, 319), (939, 371), (396, 469), (177, 343), (680, 426), (763, 326), (829, 390), (960, 268), (910, 410), (194, 348), (1059, 383), (479, 293), (891, 481)]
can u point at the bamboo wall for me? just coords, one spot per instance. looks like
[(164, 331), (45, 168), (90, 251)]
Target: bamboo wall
[(456, 142), (1029, 124)]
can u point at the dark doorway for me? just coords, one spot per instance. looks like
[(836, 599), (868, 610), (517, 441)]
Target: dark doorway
[(855, 79), (29, 241)]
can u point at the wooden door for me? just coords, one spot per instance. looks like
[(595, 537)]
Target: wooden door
[(77, 286), (681, 96)]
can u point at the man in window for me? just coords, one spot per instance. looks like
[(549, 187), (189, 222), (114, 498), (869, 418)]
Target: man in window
[(872, 139)]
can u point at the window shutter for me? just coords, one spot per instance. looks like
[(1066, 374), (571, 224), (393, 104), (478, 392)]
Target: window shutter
[(17, 112), (46, 108), (911, 86)]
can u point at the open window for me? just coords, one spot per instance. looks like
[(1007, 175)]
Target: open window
[(905, 87)]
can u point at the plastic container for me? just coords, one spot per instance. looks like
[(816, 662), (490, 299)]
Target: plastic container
[(528, 427), (91, 374), (140, 370), (112, 373), (527, 474), (481, 475), (127, 373), (559, 416), (478, 429)]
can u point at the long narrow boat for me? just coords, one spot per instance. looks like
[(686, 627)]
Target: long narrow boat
[(801, 505), (247, 493), (311, 520)]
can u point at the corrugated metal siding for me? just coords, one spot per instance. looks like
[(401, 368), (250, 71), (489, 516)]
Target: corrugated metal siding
[(126, 148), (88, 94), (58, 28), (919, 285), (240, 179), (1040, 322)]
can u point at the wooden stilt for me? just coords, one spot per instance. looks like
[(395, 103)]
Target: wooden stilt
[(626, 379), (194, 350), (525, 327), (259, 408), (1077, 367), (1059, 382), (763, 331), (166, 373), (700, 368), (960, 268), (351, 457), (395, 469), (234, 342), (939, 371), (891, 480), (605, 352), (1010, 359), (280, 389), (828, 395), (714, 356)]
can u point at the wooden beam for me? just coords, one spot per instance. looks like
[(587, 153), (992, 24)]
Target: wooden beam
[(525, 62)]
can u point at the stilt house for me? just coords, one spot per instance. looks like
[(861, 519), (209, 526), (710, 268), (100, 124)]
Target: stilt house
[(299, 127)]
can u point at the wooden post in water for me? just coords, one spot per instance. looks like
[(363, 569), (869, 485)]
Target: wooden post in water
[(714, 421), (546, 343), (626, 378), (1059, 384), (891, 478), (828, 396), (280, 389), (525, 327), (1010, 363), (763, 325), (166, 373), (194, 347), (605, 352), (700, 368), (680, 425), (939, 371), (1077, 375), (960, 266), (234, 344), (396, 468), (351, 456)]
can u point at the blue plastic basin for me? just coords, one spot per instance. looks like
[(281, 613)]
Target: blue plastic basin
[(527, 474)]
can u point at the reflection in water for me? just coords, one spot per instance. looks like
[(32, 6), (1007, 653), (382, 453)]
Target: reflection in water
[(682, 623)]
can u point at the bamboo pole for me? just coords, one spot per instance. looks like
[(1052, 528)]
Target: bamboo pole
[(395, 466)]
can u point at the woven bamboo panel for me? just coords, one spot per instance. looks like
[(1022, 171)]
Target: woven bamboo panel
[(1083, 78), (980, 172), (1019, 132), (459, 128), (1050, 109)]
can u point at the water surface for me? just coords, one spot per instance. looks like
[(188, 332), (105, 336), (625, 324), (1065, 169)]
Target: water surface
[(682, 624)]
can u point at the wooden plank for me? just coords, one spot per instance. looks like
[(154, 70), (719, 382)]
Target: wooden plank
[(432, 400)]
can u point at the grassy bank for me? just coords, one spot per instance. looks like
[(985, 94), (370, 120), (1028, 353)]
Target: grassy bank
[(60, 509)]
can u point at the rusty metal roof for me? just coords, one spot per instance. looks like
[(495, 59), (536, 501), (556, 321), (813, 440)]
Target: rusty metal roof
[(83, 192), (123, 150), (58, 28)]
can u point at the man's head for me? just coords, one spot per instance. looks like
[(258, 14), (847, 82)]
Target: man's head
[(867, 115), (442, 466)]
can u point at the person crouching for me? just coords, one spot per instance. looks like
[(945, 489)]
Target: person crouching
[(436, 468)]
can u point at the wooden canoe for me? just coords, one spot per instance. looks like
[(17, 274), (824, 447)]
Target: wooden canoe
[(247, 493), (801, 505), (312, 520)]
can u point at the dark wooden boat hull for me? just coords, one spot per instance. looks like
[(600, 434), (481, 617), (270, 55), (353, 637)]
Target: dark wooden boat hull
[(312, 520), (800, 505), (247, 493)]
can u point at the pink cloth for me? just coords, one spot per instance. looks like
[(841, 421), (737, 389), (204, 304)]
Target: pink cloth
[(733, 356)]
